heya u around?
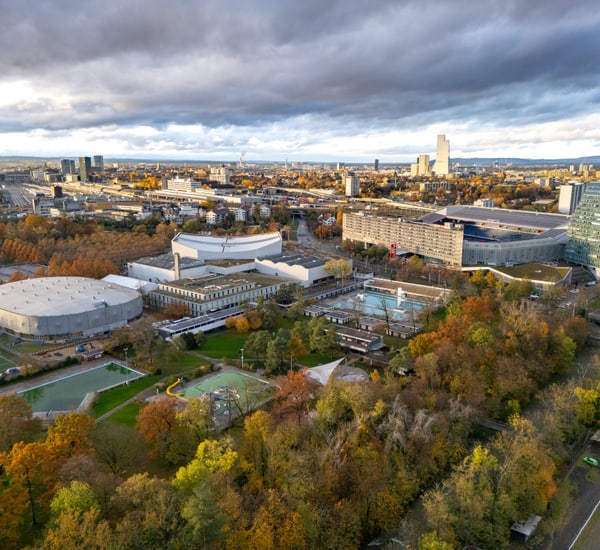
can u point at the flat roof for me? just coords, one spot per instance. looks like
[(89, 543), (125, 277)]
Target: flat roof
[(219, 282), (167, 261), (295, 259), (517, 218)]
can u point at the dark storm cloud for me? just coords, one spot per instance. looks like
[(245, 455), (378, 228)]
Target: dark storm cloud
[(369, 64)]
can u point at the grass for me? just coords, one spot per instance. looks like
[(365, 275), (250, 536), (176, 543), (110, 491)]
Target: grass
[(110, 399), (127, 415), (315, 359), (534, 272), (224, 344)]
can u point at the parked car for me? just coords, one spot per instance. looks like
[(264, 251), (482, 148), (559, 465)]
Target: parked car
[(591, 461)]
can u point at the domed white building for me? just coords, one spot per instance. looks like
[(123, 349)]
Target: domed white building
[(65, 308)]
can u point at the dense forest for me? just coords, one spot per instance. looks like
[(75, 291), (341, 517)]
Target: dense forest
[(326, 467)]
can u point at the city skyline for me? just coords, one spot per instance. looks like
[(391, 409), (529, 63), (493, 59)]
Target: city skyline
[(340, 81)]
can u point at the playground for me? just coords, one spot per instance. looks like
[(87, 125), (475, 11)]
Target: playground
[(67, 393), (228, 391)]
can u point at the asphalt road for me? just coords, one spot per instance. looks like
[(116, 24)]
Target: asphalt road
[(584, 499)]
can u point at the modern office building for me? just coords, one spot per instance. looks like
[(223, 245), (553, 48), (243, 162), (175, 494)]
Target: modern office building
[(85, 168), (583, 244), (67, 166), (98, 163), (569, 196), (466, 235), (442, 156), (65, 308), (184, 184)]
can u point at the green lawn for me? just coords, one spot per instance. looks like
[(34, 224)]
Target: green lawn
[(110, 399), (224, 344), (315, 359), (126, 415)]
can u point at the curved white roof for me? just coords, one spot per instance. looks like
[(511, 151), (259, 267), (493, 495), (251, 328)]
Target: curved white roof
[(226, 248), (50, 296)]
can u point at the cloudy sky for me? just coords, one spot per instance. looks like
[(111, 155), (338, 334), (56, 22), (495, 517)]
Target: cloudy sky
[(347, 80)]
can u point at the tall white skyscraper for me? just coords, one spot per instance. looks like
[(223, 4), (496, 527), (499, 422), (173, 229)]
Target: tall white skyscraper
[(442, 156)]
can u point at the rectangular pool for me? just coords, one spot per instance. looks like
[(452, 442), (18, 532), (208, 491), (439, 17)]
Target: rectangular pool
[(373, 303), (66, 394)]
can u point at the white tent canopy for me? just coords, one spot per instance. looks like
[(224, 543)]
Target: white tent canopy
[(322, 373)]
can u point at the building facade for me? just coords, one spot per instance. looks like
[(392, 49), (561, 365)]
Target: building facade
[(583, 244), (439, 242), (466, 236), (569, 197), (351, 185), (85, 168), (204, 295)]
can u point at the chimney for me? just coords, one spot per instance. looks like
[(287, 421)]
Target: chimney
[(177, 268)]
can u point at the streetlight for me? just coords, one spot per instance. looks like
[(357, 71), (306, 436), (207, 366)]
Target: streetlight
[(126, 367), (242, 354)]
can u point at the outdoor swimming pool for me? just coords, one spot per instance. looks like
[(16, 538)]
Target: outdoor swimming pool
[(246, 390), (66, 394), (373, 303)]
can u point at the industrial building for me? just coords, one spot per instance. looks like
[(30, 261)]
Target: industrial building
[(65, 308)]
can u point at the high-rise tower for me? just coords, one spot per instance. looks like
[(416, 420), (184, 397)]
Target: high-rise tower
[(85, 168), (442, 156), (98, 163)]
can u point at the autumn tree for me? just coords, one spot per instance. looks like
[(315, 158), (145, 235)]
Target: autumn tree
[(196, 419), (294, 395), (149, 513), (157, 422), (71, 434), (30, 469), (17, 422), (177, 309), (339, 268), (256, 344)]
